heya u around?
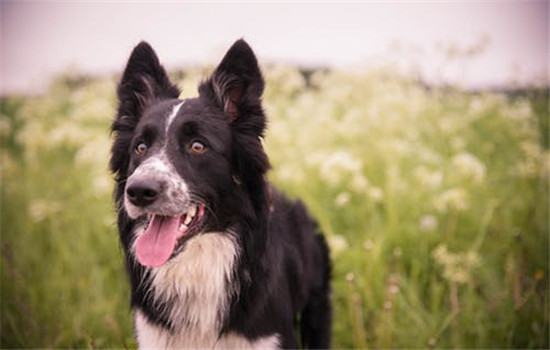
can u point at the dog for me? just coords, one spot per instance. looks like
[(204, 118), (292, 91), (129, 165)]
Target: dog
[(216, 256)]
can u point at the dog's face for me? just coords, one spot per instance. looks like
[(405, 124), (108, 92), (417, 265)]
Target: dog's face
[(181, 164), (178, 165), (180, 157)]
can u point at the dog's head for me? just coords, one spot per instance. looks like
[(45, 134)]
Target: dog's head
[(188, 166)]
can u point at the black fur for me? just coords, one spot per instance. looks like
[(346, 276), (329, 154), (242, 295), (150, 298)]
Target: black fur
[(283, 269)]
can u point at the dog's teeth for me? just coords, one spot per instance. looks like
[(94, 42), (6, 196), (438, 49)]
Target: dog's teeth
[(188, 219), (189, 216), (183, 227), (191, 213)]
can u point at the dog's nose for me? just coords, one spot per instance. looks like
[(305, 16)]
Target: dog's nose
[(144, 192)]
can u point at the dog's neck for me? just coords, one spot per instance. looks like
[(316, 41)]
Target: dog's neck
[(198, 284)]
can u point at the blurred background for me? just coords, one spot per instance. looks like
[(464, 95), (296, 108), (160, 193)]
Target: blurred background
[(416, 132)]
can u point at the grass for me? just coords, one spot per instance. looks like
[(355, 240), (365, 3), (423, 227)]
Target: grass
[(434, 202)]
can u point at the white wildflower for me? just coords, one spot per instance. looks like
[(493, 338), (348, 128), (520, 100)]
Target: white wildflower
[(397, 252), (531, 149), (284, 80), (428, 179), (359, 182), (428, 155), (457, 143), (40, 209), (368, 245), (442, 256), (289, 173), (477, 105), (457, 267), (428, 223), (342, 199), (393, 289), (102, 185), (521, 110), (70, 134), (337, 243), (468, 166), (457, 274), (337, 166), (94, 153), (471, 259), (454, 198), (447, 124), (376, 194), (398, 146)]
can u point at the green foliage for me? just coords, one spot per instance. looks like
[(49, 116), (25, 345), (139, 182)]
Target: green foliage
[(434, 203)]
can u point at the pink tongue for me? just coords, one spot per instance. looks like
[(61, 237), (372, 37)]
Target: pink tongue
[(156, 244)]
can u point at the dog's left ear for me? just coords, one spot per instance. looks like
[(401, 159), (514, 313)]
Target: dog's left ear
[(237, 83)]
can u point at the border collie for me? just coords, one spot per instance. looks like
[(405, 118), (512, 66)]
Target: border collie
[(216, 257)]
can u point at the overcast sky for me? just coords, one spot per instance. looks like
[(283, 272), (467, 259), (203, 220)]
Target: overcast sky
[(43, 38)]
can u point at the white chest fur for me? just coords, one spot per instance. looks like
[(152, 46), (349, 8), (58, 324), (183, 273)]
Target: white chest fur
[(197, 285), (153, 337)]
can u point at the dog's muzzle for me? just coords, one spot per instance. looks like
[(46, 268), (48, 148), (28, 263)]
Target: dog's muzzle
[(155, 188)]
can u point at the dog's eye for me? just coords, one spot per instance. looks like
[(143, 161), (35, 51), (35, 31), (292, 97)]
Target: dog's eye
[(141, 148), (197, 147)]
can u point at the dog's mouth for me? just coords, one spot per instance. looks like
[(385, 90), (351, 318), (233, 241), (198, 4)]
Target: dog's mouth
[(164, 236)]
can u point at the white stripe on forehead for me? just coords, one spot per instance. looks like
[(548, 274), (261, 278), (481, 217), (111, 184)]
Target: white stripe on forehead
[(172, 116)]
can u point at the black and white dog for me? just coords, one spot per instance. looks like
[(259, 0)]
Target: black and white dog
[(217, 258)]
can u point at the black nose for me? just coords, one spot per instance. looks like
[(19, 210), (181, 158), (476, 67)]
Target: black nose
[(144, 192)]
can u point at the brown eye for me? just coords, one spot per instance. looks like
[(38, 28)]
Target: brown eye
[(197, 147), (141, 148)]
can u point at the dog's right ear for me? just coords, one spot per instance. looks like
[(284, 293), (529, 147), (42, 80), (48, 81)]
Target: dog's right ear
[(144, 80)]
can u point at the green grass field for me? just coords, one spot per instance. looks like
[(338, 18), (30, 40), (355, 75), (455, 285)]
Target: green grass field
[(434, 202)]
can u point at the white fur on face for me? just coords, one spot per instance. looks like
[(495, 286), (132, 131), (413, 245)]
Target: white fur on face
[(175, 194), (171, 118)]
